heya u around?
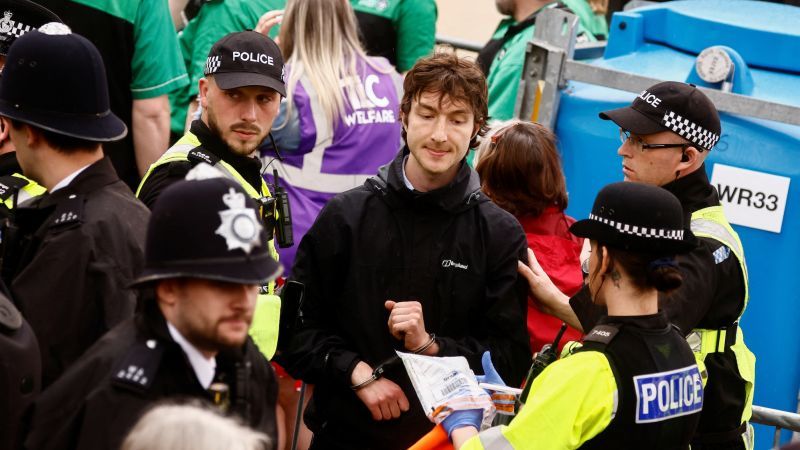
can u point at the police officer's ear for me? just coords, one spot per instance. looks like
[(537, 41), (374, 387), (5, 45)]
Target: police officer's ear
[(4, 135), (604, 259), (691, 158), (167, 292), (202, 89)]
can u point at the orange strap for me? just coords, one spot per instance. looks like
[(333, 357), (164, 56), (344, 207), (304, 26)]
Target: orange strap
[(436, 439)]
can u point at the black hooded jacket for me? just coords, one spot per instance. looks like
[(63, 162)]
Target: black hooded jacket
[(451, 249)]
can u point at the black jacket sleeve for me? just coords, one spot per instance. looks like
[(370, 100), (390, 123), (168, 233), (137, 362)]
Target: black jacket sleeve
[(704, 300), (504, 312), (160, 178), (315, 351)]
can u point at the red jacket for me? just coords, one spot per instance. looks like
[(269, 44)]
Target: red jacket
[(558, 252)]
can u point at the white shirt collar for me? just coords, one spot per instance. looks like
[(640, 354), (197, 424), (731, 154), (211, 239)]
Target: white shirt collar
[(204, 368), (405, 178), (66, 181)]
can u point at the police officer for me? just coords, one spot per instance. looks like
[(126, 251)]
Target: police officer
[(20, 360), (205, 257), (240, 96), (635, 382), (667, 133), (19, 17), (69, 255)]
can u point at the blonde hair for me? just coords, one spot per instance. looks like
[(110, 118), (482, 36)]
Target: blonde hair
[(319, 39), (191, 426)]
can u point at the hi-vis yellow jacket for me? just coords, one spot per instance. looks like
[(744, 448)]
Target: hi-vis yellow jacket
[(264, 329)]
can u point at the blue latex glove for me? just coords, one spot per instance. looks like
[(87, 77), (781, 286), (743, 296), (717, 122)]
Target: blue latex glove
[(490, 374), (460, 419)]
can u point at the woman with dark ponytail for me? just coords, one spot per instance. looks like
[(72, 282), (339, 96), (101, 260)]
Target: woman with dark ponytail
[(635, 382)]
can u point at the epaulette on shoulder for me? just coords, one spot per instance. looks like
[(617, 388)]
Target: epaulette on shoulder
[(198, 155), (137, 370), (68, 212), (9, 185), (602, 334)]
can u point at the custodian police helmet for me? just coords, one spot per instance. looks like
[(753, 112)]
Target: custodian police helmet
[(209, 229), (78, 104)]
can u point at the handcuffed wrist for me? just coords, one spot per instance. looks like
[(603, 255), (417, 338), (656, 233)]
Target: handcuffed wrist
[(426, 345), (376, 374)]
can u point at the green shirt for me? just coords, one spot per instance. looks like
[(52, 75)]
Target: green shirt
[(413, 22), (215, 19), (506, 69), (156, 67)]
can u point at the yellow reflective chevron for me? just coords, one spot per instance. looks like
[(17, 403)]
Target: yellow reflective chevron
[(711, 223), (30, 190), (265, 326)]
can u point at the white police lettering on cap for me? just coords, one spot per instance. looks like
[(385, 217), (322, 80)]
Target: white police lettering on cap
[(665, 395), (253, 57), (240, 226), (650, 98), (55, 29)]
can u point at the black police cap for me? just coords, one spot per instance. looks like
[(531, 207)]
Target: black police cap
[(671, 106), (209, 229), (246, 58), (637, 217), (20, 17)]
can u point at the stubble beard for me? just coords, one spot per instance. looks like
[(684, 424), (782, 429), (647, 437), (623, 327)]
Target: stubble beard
[(236, 147)]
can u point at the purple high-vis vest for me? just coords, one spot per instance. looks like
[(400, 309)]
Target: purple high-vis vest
[(333, 158)]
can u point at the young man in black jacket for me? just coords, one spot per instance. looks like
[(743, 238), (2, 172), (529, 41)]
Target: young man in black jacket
[(416, 260), (666, 134)]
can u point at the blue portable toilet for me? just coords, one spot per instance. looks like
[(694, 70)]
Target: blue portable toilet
[(755, 166)]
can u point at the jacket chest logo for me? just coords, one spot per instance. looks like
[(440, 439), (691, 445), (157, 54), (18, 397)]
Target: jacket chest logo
[(448, 263)]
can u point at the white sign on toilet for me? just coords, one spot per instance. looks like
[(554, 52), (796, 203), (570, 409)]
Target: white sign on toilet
[(751, 199)]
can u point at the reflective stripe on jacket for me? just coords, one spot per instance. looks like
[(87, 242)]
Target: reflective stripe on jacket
[(711, 223)]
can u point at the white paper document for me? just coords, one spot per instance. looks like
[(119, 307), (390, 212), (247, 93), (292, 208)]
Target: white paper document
[(446, 384)]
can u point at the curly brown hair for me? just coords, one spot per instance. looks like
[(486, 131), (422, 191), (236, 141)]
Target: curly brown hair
[(520, 168), (458, 79)]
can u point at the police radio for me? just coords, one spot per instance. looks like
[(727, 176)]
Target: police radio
[(543, 359), (283, 225)]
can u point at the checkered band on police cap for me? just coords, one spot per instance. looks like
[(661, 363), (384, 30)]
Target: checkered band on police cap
[(19, 17), (689, 130), (673, 106), (661, 233), (212, 65)]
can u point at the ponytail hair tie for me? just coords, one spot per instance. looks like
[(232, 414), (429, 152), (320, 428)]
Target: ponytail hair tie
[(662, 262)]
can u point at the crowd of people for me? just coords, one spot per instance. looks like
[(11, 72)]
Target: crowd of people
[(288, 193)]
